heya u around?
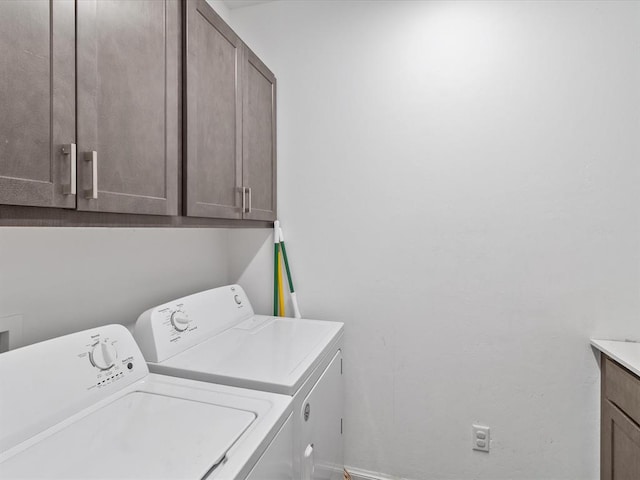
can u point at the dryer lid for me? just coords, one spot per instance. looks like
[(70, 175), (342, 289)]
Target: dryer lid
[(265, 353), (139, 435)]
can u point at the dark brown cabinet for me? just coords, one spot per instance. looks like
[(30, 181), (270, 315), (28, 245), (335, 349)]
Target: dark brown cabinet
[(230, 161), (128, 106), (213, 106), (123, 104), (259, 139), (37, 103), (94, 95), (620, 419)]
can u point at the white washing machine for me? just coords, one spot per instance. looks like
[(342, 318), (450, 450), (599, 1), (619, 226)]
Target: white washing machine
[(215, 336), (85, 406)]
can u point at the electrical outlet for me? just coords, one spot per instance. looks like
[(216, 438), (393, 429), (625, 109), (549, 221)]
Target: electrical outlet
[(481, 438), (10, 332)]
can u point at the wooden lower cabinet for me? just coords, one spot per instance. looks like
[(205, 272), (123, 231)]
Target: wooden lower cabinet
[(620, 445), (620, 432)]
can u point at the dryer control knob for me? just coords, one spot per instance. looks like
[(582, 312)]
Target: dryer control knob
[(180, 320), (103, 355)]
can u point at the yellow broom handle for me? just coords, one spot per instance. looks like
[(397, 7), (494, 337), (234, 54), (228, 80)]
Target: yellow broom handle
[(280, 287)]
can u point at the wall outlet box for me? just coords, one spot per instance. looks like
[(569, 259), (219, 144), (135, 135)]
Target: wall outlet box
[(481, 438), (10, 332)]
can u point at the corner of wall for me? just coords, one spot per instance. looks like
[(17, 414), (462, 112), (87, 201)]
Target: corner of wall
[(249, 260)]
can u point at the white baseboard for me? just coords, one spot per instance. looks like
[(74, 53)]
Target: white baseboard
[(359, 474)]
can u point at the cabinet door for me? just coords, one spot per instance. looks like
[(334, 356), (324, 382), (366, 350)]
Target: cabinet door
[(259, 139), (37, 102), (213, 172), (128, 105), (620, 445)]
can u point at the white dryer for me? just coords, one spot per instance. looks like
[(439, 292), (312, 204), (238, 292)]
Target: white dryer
[(215, 336), (85, 406)]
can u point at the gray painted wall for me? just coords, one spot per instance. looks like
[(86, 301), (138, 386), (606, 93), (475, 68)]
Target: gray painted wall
[(459, 183), (66, 279)]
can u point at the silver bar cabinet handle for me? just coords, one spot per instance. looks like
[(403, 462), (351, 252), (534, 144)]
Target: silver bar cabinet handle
[(92, 193), (249, 209), (70, 149)]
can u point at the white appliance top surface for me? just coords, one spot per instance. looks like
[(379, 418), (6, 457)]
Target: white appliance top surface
[(139, 435), (85, 406), (267, 353), (625, 353)]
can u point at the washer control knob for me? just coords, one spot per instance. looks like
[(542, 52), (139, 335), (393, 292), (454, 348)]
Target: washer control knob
[(180, 320), (103, 355), (237, 299)]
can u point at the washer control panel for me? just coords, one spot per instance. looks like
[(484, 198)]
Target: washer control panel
[(48, 381), (109, 357), (103, 355)]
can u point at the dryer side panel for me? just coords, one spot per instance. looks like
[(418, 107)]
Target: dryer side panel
[(321, 416), (276, 462)]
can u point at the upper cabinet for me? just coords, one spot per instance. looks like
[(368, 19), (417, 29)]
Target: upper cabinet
[(124, 104), (259, 139), (230, 162), (213, 113), (100, 100), (128, 106), (37, 101)]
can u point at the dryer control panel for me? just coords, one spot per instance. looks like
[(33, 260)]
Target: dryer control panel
[(171, 328)]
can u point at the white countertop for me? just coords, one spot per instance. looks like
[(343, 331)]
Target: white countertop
[(625, 353)]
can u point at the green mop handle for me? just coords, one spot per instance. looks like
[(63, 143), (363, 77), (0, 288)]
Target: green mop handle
[(294, 299)]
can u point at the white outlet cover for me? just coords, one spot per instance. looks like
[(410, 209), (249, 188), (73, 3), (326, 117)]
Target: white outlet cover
[(481, 438), (13, 325)]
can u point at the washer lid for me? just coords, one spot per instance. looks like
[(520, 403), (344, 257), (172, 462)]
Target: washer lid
[(139, 435)]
